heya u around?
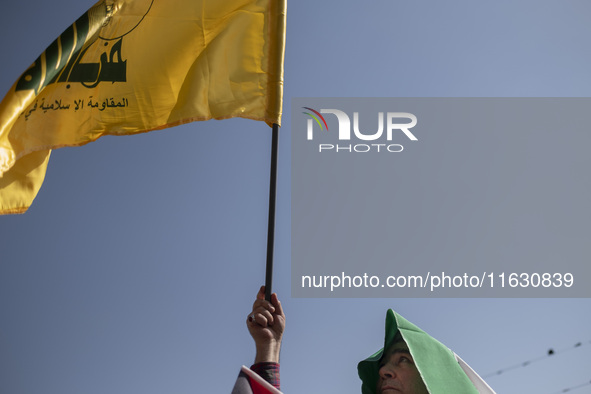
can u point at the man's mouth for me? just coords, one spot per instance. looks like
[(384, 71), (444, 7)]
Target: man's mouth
[(387, 389)]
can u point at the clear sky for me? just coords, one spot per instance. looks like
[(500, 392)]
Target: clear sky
[(136, 266)]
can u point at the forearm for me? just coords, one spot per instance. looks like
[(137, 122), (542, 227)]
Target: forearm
[(268, 352)]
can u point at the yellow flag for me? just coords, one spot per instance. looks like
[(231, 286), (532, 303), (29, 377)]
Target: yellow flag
[(131, 66)]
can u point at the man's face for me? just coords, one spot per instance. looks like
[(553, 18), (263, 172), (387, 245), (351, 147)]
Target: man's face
[(398, 373)]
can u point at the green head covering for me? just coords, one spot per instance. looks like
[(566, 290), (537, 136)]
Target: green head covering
[(436, 363)]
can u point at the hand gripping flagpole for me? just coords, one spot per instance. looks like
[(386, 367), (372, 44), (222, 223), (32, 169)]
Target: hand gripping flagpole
[(271, 225)]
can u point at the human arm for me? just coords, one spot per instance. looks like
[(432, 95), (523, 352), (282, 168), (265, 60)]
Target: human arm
[(266, 324)]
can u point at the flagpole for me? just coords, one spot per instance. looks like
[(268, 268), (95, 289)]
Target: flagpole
[(271, 225)]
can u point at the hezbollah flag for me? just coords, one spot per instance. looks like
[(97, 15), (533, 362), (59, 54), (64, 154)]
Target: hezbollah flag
[(131, 66), (442, 371)]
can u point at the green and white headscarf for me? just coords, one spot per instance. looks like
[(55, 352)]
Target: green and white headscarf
[(441, 369)]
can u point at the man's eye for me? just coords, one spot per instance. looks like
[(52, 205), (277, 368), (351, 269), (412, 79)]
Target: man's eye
[(404, 359)]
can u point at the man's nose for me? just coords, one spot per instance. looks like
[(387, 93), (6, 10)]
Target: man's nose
[(386, 371)]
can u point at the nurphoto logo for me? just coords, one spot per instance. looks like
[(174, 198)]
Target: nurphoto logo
[(396, 123)]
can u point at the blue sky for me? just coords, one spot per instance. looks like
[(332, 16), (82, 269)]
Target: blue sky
[(138, 262)]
